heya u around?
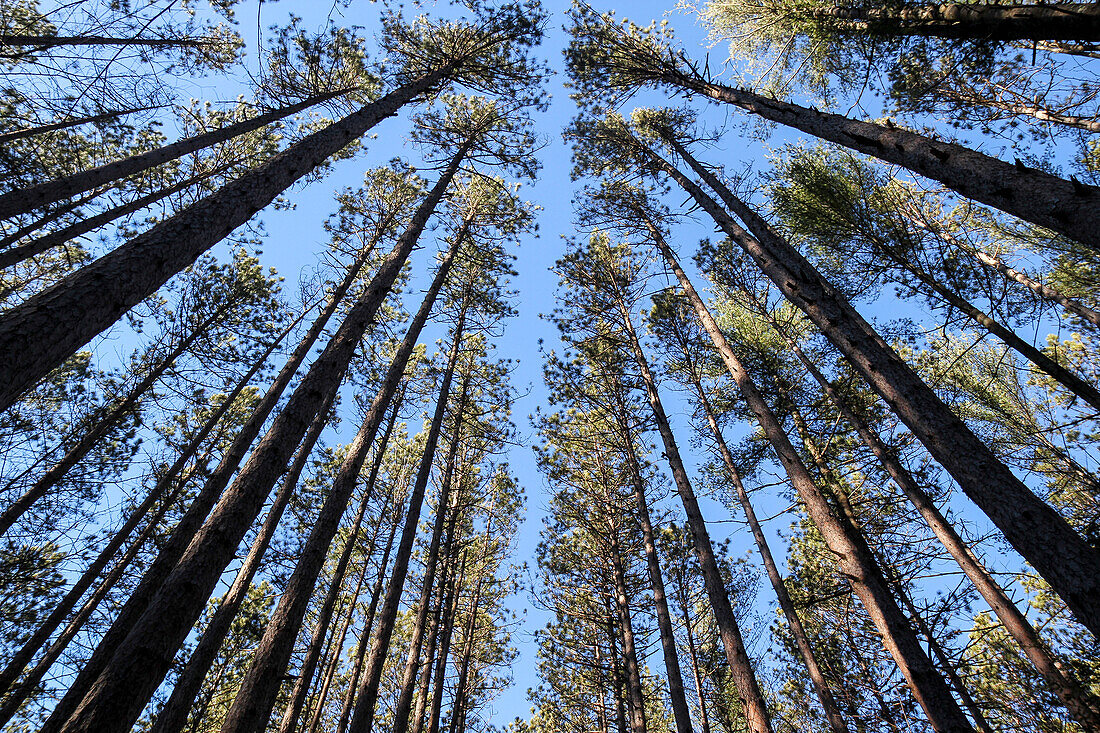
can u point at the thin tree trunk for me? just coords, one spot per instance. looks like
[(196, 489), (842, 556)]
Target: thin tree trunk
[(368, 626), (790, 613), (140, 661), (47, 41), (362, 718), (164, 483), (704, 718), (995, 263), (256, 697), (748, 688), (15, 255), (173, 716), (200, 507), (289, 722), (458, 707), (40, 333), (1069, 207), (114, 415), (1073, 383), (431, 561), (673, 676), (53, 215), (1077, 700), (8, 137), (445, 647), (1034, 529), (860, 569), (984, 22), (28, 199), (626, 634)]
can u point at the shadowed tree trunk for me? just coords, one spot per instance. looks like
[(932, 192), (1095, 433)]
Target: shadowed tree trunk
[(14, 135), (635, 694)]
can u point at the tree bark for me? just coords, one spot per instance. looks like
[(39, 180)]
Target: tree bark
[(635, 693), (1053, 22), (675, 679), (445, 647), (40, 333), (25, 200), (857, 567), (744, 677), (704, 718), (9, 137), (1033, 528), (362, 718), (126, 682), (1069, 207)]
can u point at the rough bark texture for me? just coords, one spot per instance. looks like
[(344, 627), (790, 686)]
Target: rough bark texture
[(362, 718), (40, 333), (1054, 22), (1034, 529), (855, 563), (138, 665), (1069, 207)]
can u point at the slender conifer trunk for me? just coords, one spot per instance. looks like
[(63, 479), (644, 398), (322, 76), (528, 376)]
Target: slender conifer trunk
[(14, 135), (634, 690)]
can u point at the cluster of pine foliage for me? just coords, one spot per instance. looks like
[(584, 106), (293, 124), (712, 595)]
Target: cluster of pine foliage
[(233, 505)]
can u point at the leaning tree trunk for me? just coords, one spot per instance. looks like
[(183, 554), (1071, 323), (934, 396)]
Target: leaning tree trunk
[(1069, 207), (673, 675), (139, 663), (289, 722), (8, 137), (744, 677), (1060, 679), (104, 424), (1034, 529), (26, 200), (256, 696), (362, 718), (859, 568), (201, 505), (977, 21), (786, 603), (160, 491), (431, 562), (40, 333), (704, 717), (173, 716)]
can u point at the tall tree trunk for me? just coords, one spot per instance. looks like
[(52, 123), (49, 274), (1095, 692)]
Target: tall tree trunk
[(786, 604), (39, 334), (289, 722), (104, 423), (9, 137), (980, 22), (28, 199), (368, 627), (256, 697), (15, 255), (996, 264), (635, 693), (173, 716), (362, 718), (1069, 207), (201, 505), (431, 560), (704, 718), (458, 707), (160, 491), (748, 688), (48, 41), (1083, 706), (449, 621), (855, 563), (139, 663), (1073, 383), (1034, 529), (673, 676)]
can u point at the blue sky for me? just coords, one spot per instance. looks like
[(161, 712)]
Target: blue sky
[(295, 238)]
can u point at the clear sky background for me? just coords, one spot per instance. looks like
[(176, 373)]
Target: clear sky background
[(295, 238)]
